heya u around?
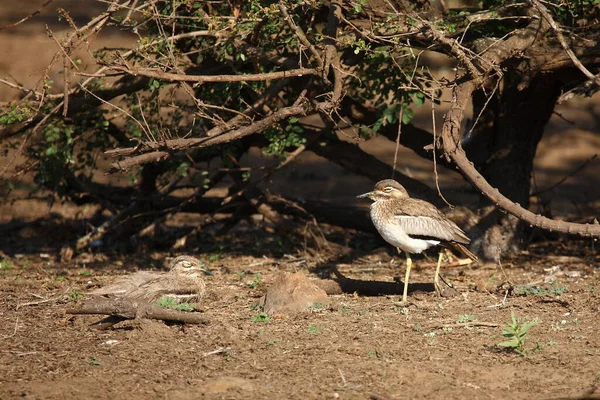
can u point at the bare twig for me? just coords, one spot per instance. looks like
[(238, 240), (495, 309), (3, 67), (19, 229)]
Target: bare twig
[(502, 303), (563, 179), (468, 324), (33, 14), (587, 88), (548, 17), (220, 350), (14, 330), (98, 232), (456, 49), (169, 77), (315, 54), (180, 144), (397, 141), (42, 301), (435, 139)]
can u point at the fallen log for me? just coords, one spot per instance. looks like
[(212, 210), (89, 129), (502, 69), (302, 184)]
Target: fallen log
[(128, 309)]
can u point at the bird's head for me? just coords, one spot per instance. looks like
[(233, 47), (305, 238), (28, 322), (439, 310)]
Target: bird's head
[(188, 265), (386, 189)]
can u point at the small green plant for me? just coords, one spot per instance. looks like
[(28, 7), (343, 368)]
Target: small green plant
[(558, 290), (86, 272), (255, 281), (515, 331), (93, 362), (171, 303), (6, 264), (75, 294), (261, 317), (313, 329), (416, 328), (317, 306), (464, 318), (346, 310), (214, 257), (526, 290), (241, 275), (61, 278), (256, 307), (371, 353)]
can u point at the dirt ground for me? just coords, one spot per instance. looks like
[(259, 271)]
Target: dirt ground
[(361, 347)]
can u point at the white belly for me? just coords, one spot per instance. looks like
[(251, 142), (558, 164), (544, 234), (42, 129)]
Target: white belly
[(395, 235)]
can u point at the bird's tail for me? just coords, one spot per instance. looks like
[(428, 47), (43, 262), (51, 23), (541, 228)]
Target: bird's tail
[(462, 249)]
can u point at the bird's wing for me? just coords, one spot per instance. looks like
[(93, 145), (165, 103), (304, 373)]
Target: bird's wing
[(170, 285), (125, 284), (420, 218), (433, 228)]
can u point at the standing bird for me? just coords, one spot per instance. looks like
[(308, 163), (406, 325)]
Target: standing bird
[(413, 225), (183, 282)]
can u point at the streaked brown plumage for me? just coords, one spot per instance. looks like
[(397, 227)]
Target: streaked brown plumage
[(184, 282), (412, 225)]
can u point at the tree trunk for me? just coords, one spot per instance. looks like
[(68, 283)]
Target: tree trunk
[(508, 146)]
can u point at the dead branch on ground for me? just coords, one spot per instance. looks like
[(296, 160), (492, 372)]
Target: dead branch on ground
[(129, 309)]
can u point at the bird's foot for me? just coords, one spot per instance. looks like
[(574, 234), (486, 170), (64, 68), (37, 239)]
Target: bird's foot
[(405, 303)]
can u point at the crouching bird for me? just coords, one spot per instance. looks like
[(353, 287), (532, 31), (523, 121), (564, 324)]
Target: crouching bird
[(183, 282), (413, 225)]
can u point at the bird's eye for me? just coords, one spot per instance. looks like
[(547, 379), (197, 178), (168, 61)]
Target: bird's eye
[(387, 189), (186, 264)]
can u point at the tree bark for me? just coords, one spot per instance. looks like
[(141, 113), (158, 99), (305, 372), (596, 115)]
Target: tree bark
[(504, 148)]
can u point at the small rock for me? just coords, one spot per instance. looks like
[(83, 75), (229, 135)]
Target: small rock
[(449, 292), (293, 293)]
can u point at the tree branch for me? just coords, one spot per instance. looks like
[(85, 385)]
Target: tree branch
[(163, 148), (170, 77), (129, 309), (352, 158), (454, 151), (548, 17)]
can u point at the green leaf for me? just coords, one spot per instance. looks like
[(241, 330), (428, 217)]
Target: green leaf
[(527, 326), (509, 343), (418, 100), (407, 115)]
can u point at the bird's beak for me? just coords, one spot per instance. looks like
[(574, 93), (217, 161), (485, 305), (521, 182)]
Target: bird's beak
[(207, 272), (365, 195)]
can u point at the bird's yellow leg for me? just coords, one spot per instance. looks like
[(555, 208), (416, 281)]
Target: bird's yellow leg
[(436, 277), (406, 276)]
